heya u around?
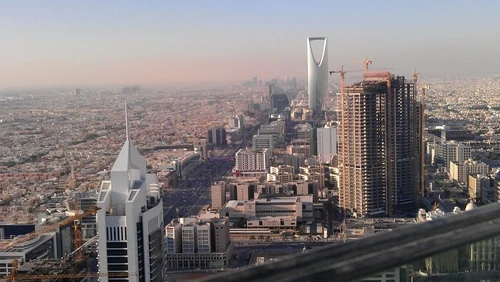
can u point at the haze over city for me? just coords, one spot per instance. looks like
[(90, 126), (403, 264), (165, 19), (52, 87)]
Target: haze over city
[(83, 43)]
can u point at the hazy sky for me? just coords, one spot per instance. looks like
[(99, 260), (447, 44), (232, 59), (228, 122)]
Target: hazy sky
[(46, 43)]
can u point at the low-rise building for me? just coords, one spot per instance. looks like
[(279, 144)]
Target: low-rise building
[(192, 243), (298, 207)]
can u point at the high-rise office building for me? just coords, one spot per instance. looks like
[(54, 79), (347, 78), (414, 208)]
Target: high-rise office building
[(327, 143), (217, 136), (317, 72), (130, 221), (377, 154)]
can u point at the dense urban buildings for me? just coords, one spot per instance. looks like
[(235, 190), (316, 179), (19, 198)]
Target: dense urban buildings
[(130, 219), (194, 243), (317, 73), (378, 147)]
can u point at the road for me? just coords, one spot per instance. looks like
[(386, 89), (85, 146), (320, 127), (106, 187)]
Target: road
[(194, 193)]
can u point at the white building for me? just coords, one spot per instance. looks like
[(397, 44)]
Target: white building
[(130, 221), (252, 162), (281, 173), (454, 152), (317, 72), (459, 171), (203, 243), (327, 143)]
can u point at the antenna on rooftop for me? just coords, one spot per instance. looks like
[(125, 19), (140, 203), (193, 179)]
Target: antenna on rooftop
[(126, 122)]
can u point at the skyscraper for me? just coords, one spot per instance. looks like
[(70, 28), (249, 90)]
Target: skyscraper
[(317, 72), (130, 221), (378, 158)]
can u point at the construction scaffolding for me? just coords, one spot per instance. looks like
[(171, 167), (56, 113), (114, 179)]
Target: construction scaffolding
[(379, 146)]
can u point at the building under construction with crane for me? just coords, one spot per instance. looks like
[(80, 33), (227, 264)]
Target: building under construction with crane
[(379, 146)]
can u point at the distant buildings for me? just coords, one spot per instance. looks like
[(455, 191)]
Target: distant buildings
[(317, 72), (130, 221), (252, 162), (191, 243), (378, 152), (281, 174), (217, 136), (279, 102), (449, 151), (263, 142)]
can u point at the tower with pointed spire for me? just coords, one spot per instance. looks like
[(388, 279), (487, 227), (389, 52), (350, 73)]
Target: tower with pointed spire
[(130, 221)]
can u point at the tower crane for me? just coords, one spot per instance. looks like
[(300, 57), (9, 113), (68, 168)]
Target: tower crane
[(77, 233), (422, 129), (367, 63), (5, 245), (342, 73)]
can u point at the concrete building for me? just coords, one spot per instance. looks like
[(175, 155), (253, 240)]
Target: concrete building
[(218, 194), (377, 155), (452, 151), (480, 188), (41, 247), (460, 171), (130, 221), (314, 174), (252, 162), (193, 243), (273, 222), (295, 160), (245, 191), (327, 143), (281, 173), (317, 73), (296, 148), (263, 142), (217, 136), (298, 207)]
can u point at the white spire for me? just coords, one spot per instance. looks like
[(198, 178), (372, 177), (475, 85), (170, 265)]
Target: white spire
[(126, 122)]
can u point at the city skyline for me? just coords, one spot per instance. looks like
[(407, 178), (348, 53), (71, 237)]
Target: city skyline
[(84, 43)]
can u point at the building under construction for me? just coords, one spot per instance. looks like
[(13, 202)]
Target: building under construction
[(379, 156)]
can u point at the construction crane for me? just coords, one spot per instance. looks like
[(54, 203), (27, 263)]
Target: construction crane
[(6, 245), (77, 233), (422, 143), (367, 63), (342, 73)]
